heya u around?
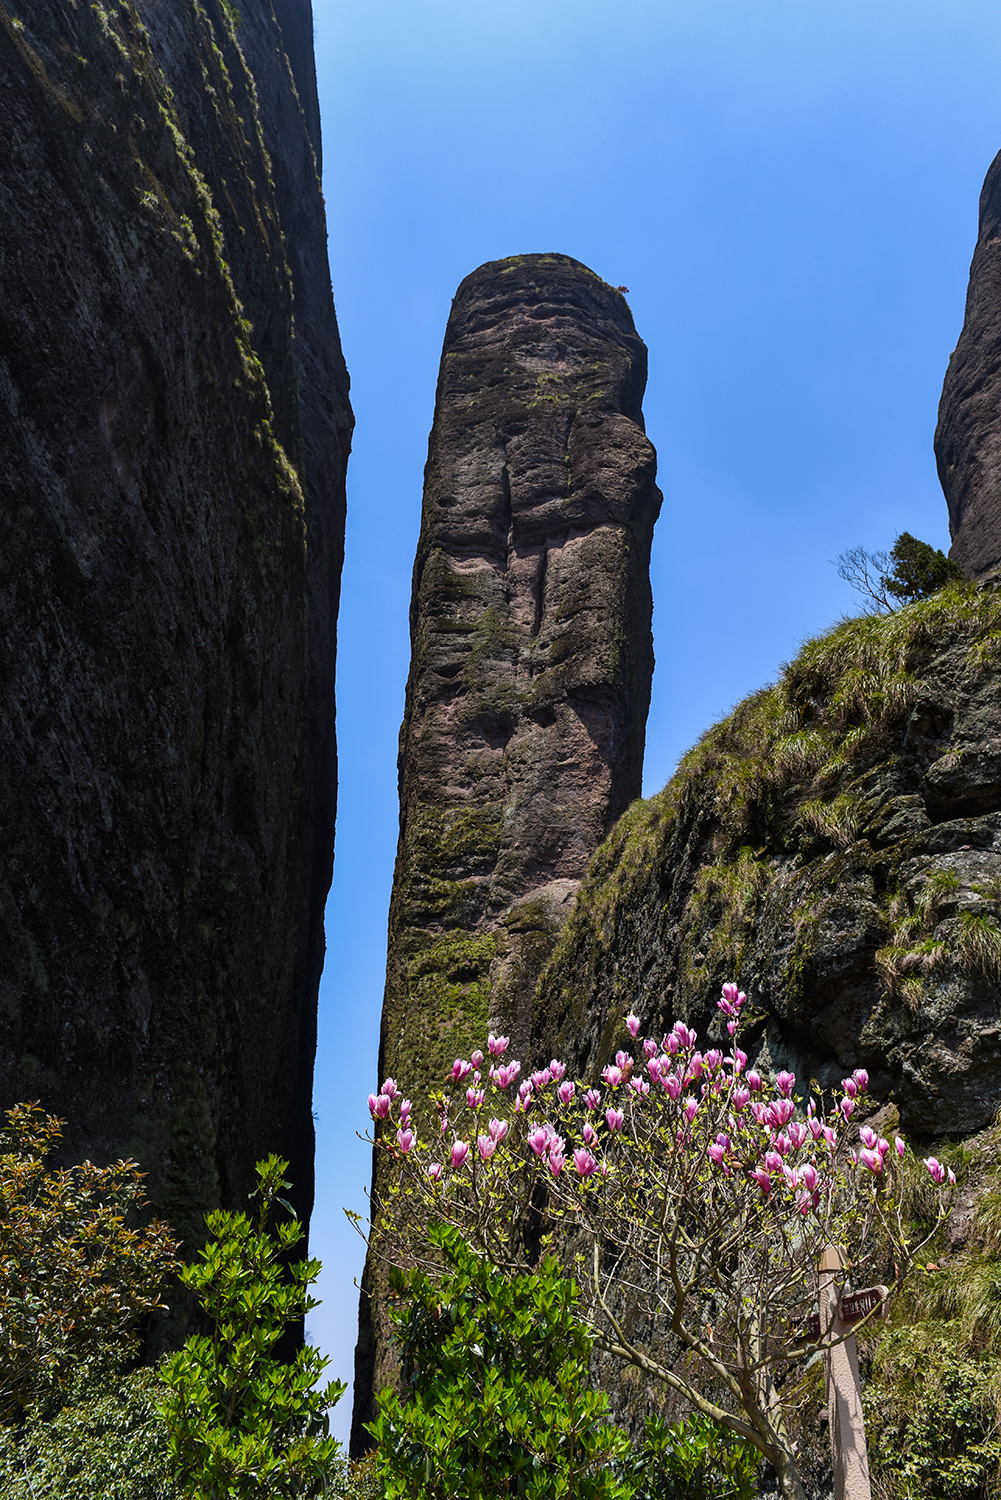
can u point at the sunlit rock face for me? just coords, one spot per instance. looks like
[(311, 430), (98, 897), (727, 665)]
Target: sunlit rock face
[(968, 437), (532, 658), (174, 434)]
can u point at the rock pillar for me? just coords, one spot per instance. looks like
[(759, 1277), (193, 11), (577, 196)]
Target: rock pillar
[(968, 437), (531, 663)]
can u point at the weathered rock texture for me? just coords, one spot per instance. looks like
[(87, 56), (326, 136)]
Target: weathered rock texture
[(532, 657), (172, 449), (836, 846), (968, 438)]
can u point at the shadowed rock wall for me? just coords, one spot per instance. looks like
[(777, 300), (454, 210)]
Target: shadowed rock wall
[(529, 686), (174, 434), (968, 437)]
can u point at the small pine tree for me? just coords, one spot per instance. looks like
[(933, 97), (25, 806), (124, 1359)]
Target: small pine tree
[(911, 570)]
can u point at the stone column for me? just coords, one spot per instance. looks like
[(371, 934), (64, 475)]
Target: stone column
[(529, 685)]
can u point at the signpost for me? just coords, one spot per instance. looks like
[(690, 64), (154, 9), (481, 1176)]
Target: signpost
[(844, 1394)]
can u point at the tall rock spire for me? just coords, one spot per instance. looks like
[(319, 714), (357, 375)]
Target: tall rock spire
[(532, 657), (968, 437)]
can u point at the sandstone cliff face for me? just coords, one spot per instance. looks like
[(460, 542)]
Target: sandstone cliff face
[(532, 658), (836, 845), (968, 437), (172, 451)]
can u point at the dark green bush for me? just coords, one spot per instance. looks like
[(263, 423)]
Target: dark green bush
[(495, 1396)]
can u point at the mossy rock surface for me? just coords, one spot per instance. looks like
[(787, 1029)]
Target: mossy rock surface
[(835, 845)]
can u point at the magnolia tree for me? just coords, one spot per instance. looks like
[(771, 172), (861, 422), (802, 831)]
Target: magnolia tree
[(690, 1197)]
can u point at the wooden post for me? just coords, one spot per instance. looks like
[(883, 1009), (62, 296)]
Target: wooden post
[(844, 1394)]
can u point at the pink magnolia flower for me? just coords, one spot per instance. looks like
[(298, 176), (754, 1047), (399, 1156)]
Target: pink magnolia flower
[(951, 1176), (850, 1087), (730, 992), (538, 1139), (871, 1159), (797, 1133), (435, 1170), (935, 1169), (686, 1037), (830, 1135), (614, 1118), (404, 1139), (653, 1068), (713, 1059), (739, 1098), (639, 1086), (780, 1112), (847, 1107), (632, 1025), (460, 1150), (808, 1176), (525, 1089), (506, 1073), (389, 1088), (461, 1070), (816, 1127), (791, 1176), (731, 1028), (782, 1143), (804, 1201), (556, 1070), (592, 1098), (901, 1147), (672, 1084), (584, 1161), (773, 1161), (556, 1162), (612, 1075), (868, 1137), (475, 1097), (716, 1154), (623, 1060), (565, 1092), (763, 1180), (379, 1105), (753, 1079), (760, 1112), (785, 1083), (540, 1079), (486, 1145), (694, 1069), (739, 1060), (861, 1077), (498, 1130), (405, 1109), (672, 1045), (589, 1133), (477, 1059), (691, 1109), (649, 1047), (497, 1045)]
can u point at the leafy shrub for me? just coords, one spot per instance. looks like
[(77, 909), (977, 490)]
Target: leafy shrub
[(910, 570), (495, 1387), (108, 1446), (241, 1423), (693, 1460), (932, 1417), (77, 1273)]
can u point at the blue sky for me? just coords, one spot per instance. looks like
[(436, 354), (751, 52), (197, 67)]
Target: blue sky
[(790, 192)]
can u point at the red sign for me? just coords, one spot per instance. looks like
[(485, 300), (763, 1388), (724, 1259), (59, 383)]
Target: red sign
[(854, 1306)]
